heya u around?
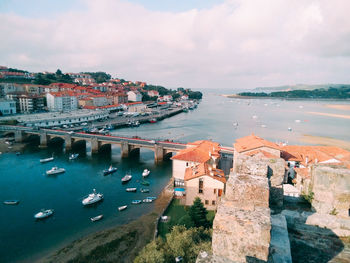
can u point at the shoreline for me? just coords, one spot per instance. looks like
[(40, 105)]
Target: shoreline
[(325, 141), (121, 243), (236, 96)]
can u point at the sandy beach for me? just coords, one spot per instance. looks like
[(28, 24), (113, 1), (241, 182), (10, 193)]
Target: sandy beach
[(343, 116), (326, 141), (339, 106)]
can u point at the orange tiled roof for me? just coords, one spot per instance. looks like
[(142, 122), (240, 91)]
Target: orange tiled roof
[(203, 170), (314, 154), (198, 151), (252, 142)]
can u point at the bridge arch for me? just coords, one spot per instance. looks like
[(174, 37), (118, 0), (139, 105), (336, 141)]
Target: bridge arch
[(55, 140), (79, 145)]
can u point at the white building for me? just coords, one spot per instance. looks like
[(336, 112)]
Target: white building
[(134, 96), (60, 101), (7, 107)]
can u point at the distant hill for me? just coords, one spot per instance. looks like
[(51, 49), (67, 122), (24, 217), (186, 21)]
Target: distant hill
[(331, 92), (299, 87)]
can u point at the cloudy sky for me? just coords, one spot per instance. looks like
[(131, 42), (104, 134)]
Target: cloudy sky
[(195, 44)]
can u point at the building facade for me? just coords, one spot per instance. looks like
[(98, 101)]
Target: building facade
[(59, 101), (7, 107)]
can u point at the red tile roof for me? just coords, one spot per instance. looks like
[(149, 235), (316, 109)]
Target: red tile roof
[(252, 142), (198, 152), (203, 169)]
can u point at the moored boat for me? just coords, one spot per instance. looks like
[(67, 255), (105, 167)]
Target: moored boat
[(92, 198), (96, 218), (55, 170), (11, 202), (151, 197), (144, 190), (153, 120), (147, 200), (121, 208), (126, 178), (110, 170), (73, 156), (44, 214), (131, 189), (136, 202), (145, 172), (47, 160), (144, 182)]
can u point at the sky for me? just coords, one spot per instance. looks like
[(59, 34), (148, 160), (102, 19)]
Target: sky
[(197, 44)]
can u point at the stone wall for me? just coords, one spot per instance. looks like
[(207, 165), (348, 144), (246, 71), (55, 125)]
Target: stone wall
[(241, 229), (331, 188)]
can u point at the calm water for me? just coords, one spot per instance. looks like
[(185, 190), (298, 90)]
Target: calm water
[(22, 177)]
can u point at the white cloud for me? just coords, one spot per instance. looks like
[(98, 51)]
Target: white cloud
[(240, 43)]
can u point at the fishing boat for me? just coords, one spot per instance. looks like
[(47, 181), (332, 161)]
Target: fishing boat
[(151, 197), (131, 189), (144, 182), (11, 202), (92, 198), (136, 202), (147, 200), (153, 120), (126, 178), (55, 170), (44, 214), (145, 173), (121, 208), (110, 170), (73, 156), (144, 190), (47, 160), (96, 218)]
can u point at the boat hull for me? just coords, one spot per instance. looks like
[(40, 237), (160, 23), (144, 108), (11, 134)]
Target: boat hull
[(107, 172), (11, 202), (96, 218)]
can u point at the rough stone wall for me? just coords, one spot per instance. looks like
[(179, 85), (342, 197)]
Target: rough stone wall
[(241, 229), (261, 166), (331, 188)]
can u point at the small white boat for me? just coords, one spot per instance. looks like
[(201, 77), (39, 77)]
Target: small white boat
[(145, 172), (136, 202), (289, 129), (44, 214), (96, 218), (73, 156), (144, 190), (126, 178), (92, 198), (110, 170), (55, 170), (151, 197), (11, 202), (147, 200), (121, 208), (131, 189), (47, 160)]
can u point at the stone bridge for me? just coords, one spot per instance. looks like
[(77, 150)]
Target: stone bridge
[(126, 144)]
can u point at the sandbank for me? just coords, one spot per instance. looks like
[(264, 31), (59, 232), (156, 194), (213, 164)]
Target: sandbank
[(339, 106), (343, 116), (326, 141)]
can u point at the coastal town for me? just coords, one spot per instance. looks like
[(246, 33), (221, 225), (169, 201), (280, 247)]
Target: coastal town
[(84, 102)]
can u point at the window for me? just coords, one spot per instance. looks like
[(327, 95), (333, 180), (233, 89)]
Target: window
[(200, 186), (207, 202), (186, 164), (213, 202), (214, 191)]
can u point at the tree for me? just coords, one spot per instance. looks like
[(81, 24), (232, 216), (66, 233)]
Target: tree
[(198, 213), (58, 72), (183, 242), (186, 221)]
